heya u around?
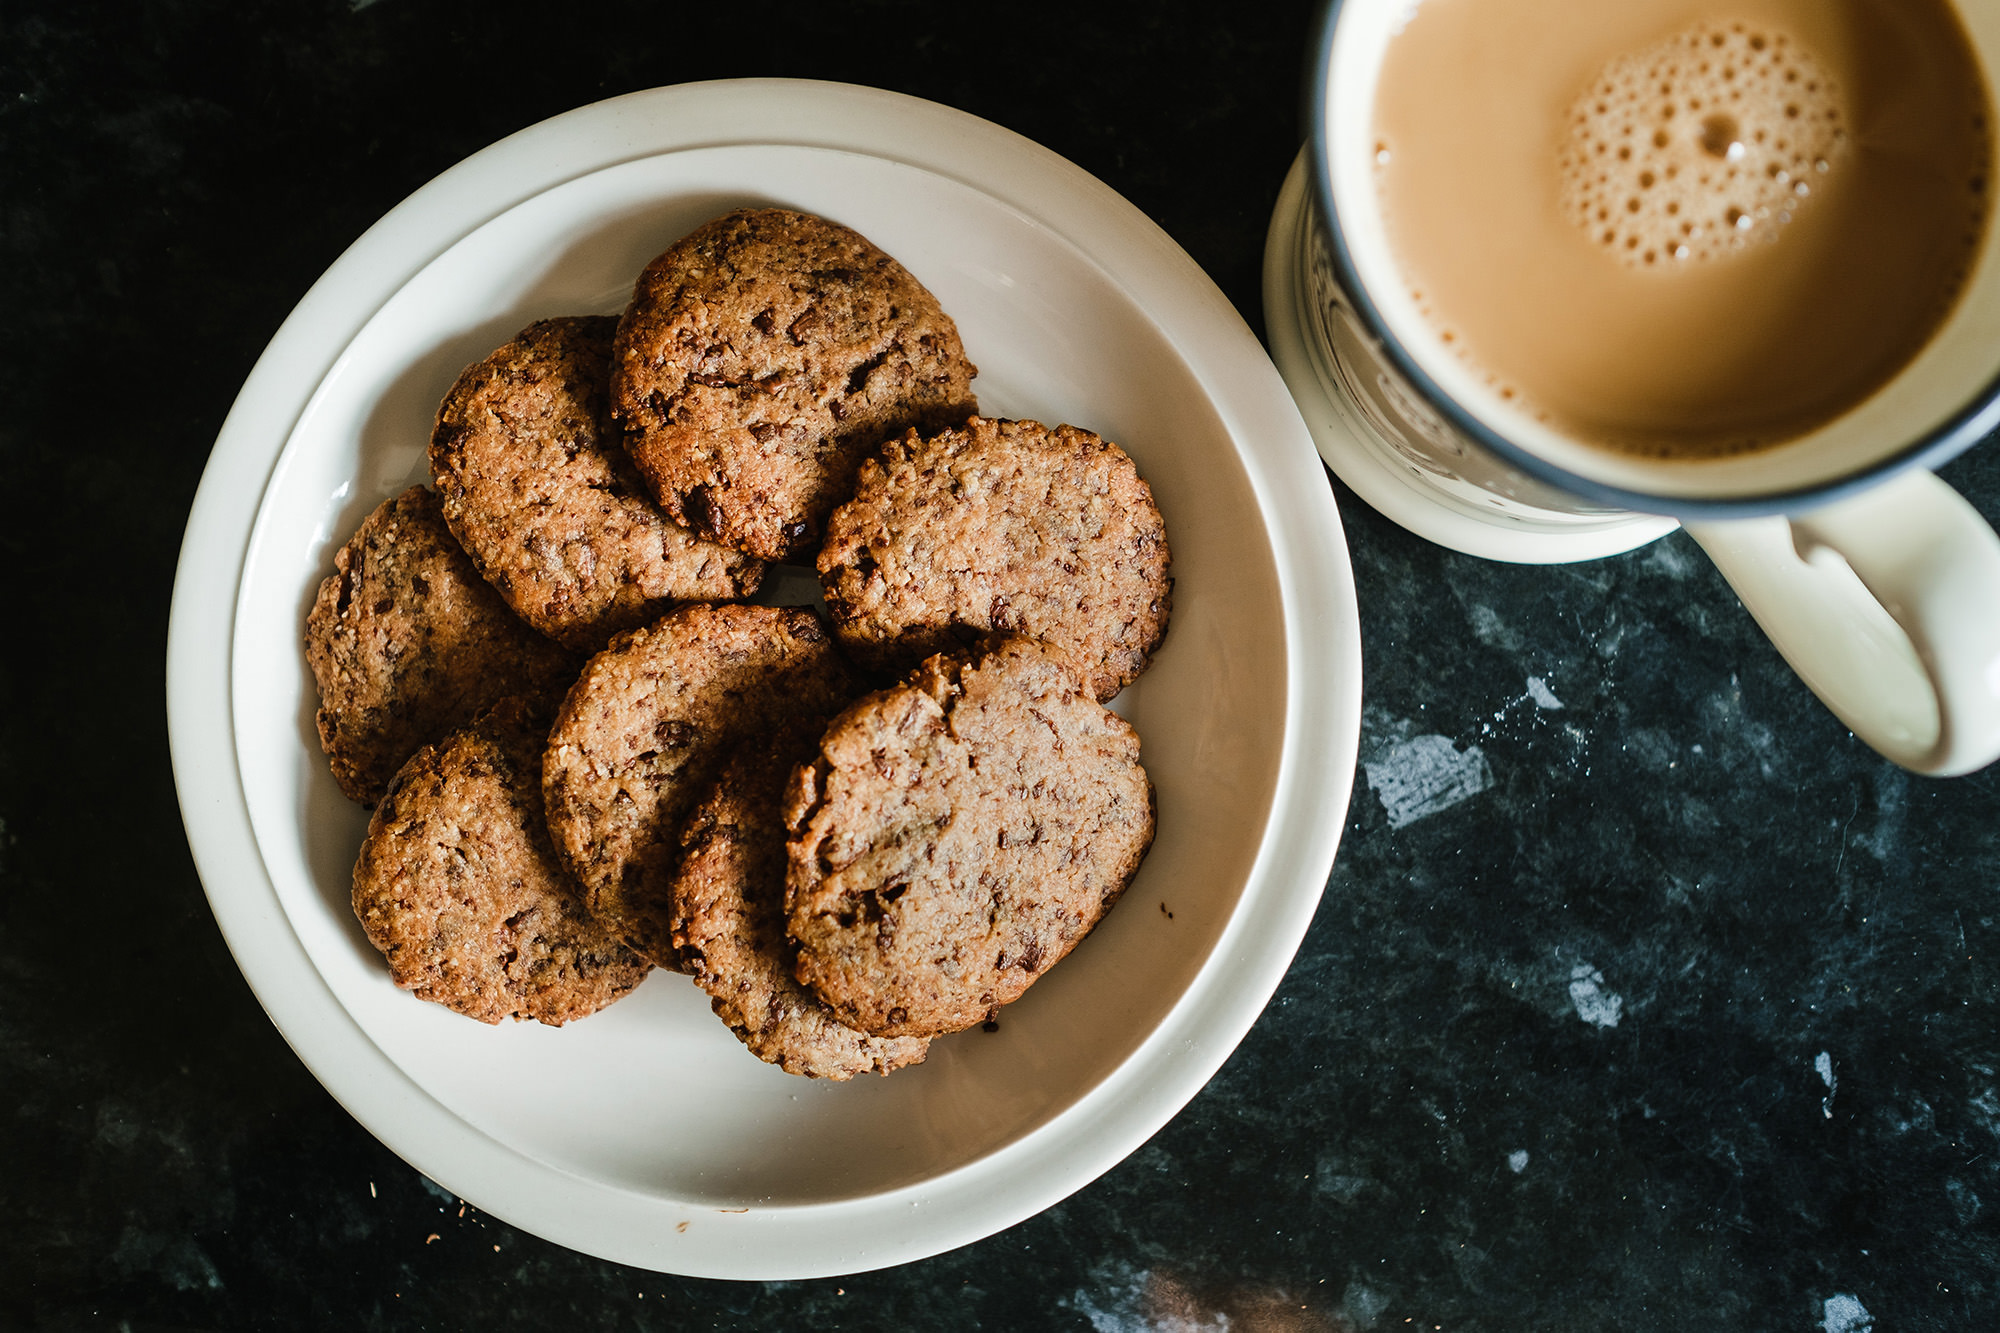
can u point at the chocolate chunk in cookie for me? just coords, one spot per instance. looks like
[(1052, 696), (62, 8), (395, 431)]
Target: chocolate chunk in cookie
[(761, 358), (729, 923), (459, 887), (1000, 526), (539, 491), (407, 641), (644, 730), (957, 836)]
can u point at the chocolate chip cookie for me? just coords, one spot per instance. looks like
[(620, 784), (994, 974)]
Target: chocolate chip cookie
[(539, 491), (957, 836), (761, 358), (407, 641), (1000, 527), (729, 923), (459, 887), (644, 730)]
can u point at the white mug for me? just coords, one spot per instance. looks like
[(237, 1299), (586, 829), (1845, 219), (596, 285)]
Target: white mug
[(1878, 583)]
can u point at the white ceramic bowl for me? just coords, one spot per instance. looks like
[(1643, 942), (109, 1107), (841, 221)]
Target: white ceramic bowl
[(647, 1135)]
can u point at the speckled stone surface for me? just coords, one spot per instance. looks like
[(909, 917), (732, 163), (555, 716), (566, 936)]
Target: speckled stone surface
[(1642, 996)]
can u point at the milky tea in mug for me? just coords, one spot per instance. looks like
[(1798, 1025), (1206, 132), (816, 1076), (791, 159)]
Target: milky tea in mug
[(1679, 229)]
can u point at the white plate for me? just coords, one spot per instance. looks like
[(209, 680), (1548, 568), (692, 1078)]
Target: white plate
[(647, 1135)]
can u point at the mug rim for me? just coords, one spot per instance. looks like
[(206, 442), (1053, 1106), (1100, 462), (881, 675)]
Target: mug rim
[(1974, 421)]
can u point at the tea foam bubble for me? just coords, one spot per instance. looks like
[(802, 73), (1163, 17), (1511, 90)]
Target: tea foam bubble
[(1700, 146)]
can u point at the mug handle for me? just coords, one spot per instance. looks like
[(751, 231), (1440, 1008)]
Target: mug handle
[(1887, 604)]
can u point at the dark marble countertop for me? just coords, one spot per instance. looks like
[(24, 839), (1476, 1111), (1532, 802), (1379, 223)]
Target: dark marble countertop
[(1681, 1017)]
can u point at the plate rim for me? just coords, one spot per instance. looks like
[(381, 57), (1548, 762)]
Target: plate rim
[(1310, 796)]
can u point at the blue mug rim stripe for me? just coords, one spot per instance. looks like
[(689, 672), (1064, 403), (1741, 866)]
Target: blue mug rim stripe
[(1971, 424)]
